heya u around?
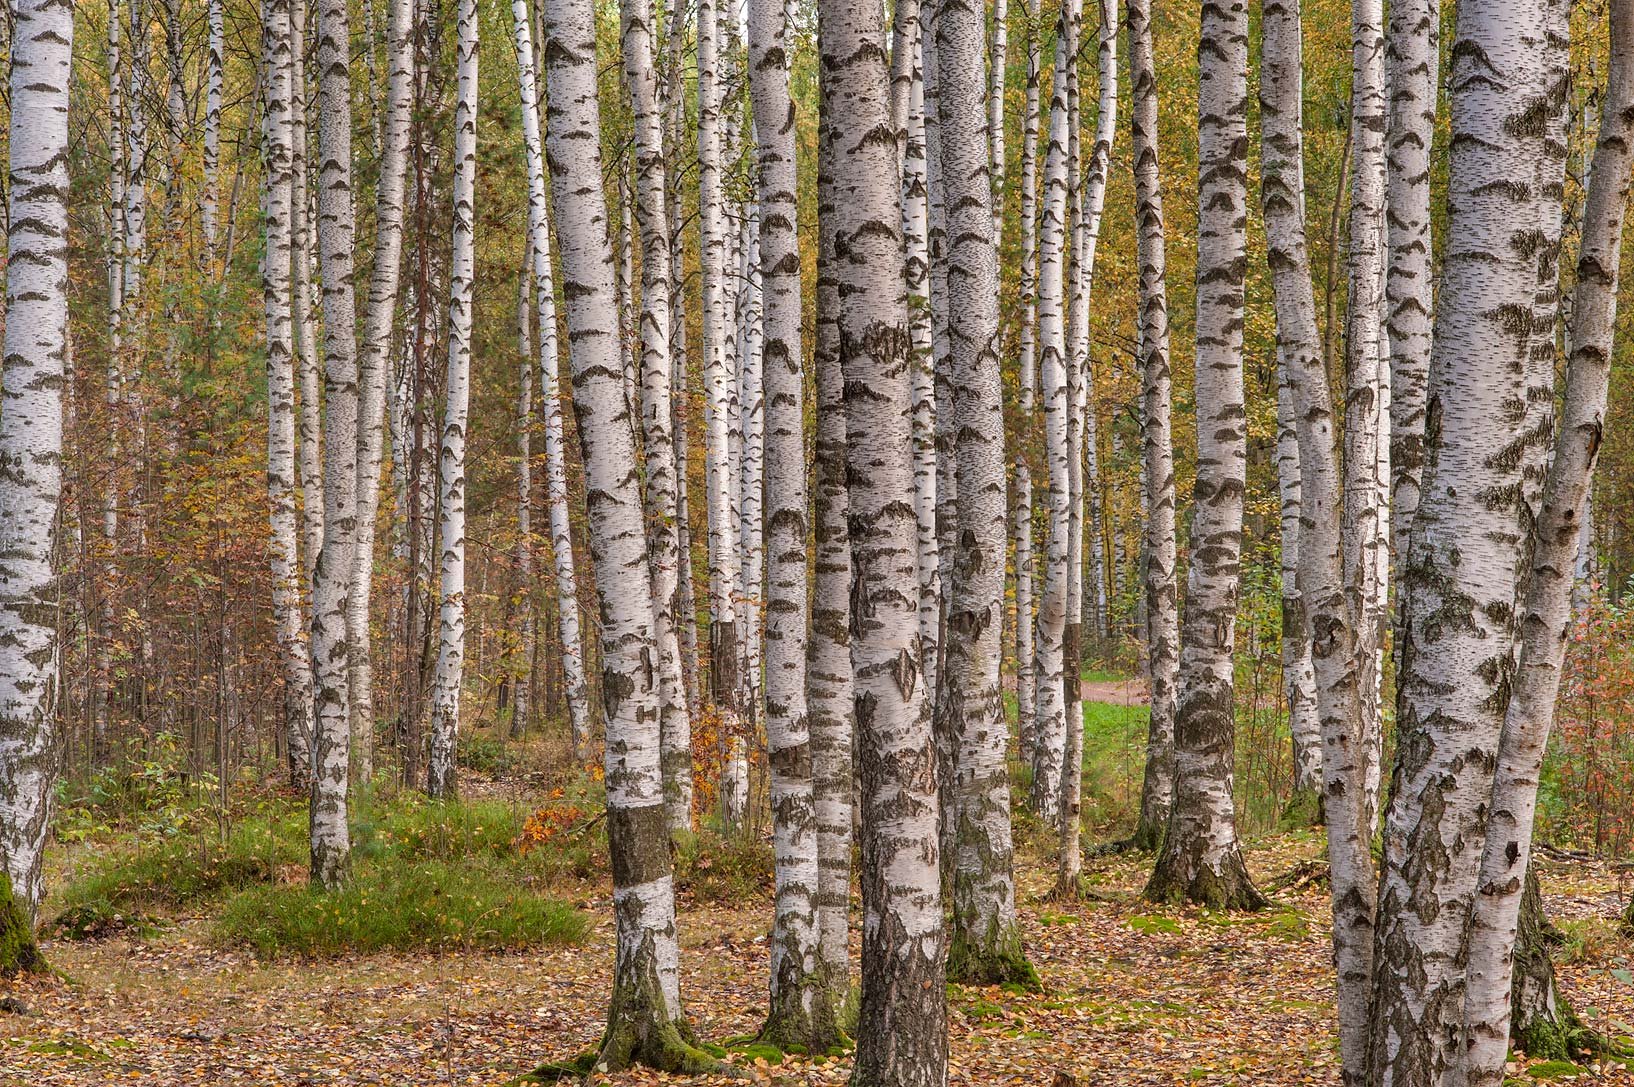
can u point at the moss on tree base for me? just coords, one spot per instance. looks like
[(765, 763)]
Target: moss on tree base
[(794, 1027), (19, 954), (1304, 809), (1228, 889), (1001, 962)]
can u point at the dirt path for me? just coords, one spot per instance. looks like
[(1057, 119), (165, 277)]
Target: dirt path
[(1124, 692)]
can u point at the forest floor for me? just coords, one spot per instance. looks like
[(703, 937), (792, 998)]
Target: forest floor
[(1134, 995)]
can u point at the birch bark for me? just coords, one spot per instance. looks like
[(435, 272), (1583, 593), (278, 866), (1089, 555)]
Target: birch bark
[(450, 670), (1026, 662), (903, 989), (1201, 860)]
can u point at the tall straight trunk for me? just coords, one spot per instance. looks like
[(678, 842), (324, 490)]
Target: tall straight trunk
[(209, 197), (331, 644), (1547, 618), (1026, 664), (828, 651), (112, 395), (35, 371), (525, 617), (308, 376), (903, 990), (947, 513), (1161, 584), (751, 459), (1298, 673), (657, 410), (1466, 547), (644, 1020), (374, 364), (446, 681), (1049, 753), (998, 63), (1201, 860), (1367, 383), (1303, 393), (725, 648), (277, 293), (1413, 64), (801, 1011), (985, 944), (571, 642), (1076, 303)]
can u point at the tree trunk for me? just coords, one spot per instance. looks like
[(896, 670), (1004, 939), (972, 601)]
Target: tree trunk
[(36, 362), (903, 990), (1320, 580), (750, 464), (309, 423), (526, 620), (441, 768), (1161, 584), (577, 693), (828, 653), (373, 367), (1026, 627), (277, 295), (644, 1022), (986, 939), (1465, 552), (331, 644), (640, 74), (1201, 860), (1498, 923)]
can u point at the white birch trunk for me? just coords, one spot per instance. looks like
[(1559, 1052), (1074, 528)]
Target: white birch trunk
[(1161, 583), (903, 989), (331, 645), (985, 945), (447, 679), (1465, 549), (1026, 662), (1201, 859), (209, 198), (1547, 618), (750, 461), (645, 1021), (577, 694), (308, 369), (657, 408), (31, 431)]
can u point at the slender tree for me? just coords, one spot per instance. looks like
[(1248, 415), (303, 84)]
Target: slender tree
[(1465, 550), (644, 1021), (449, 675), (331, 643), (985, 943), (903, 993), (1026, 663), (35, 372), (1201, 860), (1161, 588), (577, 693)]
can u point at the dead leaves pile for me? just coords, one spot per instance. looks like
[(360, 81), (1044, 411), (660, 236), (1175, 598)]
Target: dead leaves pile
[(1135, 996)]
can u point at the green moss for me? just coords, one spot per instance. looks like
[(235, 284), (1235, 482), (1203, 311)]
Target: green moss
[(19, 954), (1554, 1069), (1304, 809), (998, 960)]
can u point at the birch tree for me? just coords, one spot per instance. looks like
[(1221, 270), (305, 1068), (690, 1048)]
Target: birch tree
[(36, 354), (985, 944), (1201, 860), (828, 650), (645, 1022), (1465, 551), (1161, 589), (903, 990), (449, 676), (577, 693), (1547, 617), (1320, 575), (374, 364), (277, 295), (331, 644), (641, 78), (1050, 745), (801, 1011), (1026, 662), (1412, 63)]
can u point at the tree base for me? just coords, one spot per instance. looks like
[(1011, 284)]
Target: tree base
[(793, 1030), (1227, 889), (19, 954), (1001, 963)]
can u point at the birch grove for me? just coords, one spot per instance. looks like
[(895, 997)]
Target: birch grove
[(815, 525)]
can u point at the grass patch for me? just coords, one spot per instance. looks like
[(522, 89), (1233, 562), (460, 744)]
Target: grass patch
[(723, 869), (473, 904)]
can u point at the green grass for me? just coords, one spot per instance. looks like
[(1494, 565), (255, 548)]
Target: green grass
[(425, 874), (473, 903)]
